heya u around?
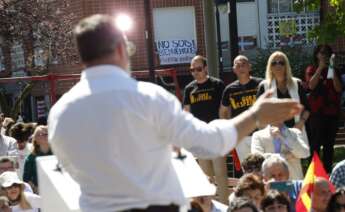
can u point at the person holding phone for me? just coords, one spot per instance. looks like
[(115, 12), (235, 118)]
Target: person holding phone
[(324, 83), (276, 175)]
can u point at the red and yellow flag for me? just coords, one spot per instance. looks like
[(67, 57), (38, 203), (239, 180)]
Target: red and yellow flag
[(315, 170)]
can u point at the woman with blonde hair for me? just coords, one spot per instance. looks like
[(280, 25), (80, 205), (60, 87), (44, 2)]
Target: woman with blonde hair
[(281, 138), (41, 148), (279, 78), (13, 189)]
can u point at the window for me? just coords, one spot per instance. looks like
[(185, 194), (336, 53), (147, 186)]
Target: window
[(175, 34), (39, 56), (280, 6), (17, 56)]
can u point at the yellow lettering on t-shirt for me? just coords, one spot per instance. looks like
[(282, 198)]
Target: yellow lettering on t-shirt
[(200, 97)]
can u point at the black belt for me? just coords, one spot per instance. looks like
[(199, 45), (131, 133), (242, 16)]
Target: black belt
[(156, 208)]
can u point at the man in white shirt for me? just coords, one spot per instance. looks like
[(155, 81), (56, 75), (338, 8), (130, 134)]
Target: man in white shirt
[(124, 161), (7, 144)]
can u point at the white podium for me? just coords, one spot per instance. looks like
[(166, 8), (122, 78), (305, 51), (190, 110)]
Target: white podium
[(58, 190)]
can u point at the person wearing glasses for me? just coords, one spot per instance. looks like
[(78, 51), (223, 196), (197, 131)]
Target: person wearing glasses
[(279, 78), (19, 200), (41, 148), (323, 81), (278, 138), (125, 163), (202, 98)]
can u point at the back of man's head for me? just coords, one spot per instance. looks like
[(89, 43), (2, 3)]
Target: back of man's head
[(97, 36)]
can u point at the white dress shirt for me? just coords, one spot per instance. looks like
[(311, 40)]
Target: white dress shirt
[(113, 134)]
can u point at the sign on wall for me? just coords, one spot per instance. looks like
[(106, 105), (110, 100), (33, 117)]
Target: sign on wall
[(176, 51), (175, 34)]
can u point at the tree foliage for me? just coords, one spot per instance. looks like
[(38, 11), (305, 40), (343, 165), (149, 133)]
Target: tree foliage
[(41, 25), (333, 22), (44, 24)]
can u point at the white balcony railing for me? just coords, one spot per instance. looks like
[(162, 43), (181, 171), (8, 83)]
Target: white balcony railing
[(303, 23)]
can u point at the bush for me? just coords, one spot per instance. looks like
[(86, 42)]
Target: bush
[(299, 56)]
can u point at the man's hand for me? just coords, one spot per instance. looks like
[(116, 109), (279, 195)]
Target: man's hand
[(265, 111), (274, 111)]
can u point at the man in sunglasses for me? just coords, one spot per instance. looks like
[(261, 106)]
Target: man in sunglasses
[(238, 97), (124, 163), (202, 98)]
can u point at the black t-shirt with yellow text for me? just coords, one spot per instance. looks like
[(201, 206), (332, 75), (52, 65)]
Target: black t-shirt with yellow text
[(240, 97), (204, 99)]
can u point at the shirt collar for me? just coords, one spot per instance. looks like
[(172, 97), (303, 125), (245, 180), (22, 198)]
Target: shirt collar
[(103, 70)]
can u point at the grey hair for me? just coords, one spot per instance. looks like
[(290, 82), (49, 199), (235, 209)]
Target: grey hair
[(274, 159)]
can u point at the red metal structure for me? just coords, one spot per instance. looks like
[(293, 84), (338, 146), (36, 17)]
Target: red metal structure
[(53, 78)]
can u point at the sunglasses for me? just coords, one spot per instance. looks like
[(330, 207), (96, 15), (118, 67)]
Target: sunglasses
[(278, 62), (197, 69), (42, 134), (15, 185)]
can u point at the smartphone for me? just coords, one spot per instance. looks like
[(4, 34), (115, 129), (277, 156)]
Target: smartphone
[(283, 186)]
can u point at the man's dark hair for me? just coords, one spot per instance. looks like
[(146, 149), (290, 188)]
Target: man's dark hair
[(242, 202), (274, 196), (96, 37), (253, 162), (22, 131)]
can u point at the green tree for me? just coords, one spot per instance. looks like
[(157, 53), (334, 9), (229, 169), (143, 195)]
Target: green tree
[(332, 18)]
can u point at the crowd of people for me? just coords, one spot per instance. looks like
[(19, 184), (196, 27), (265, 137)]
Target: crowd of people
[(125, 164), (278, 146), (20, 144)]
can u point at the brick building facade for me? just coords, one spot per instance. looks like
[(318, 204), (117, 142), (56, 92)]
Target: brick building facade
[(136, 10)]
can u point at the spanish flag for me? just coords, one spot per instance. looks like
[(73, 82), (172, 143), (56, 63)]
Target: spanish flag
[(315, 170)]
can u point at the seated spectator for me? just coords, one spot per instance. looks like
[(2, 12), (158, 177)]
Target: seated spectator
[(41, 148), (337, 201), (21, 132), (275, 201), (287, 142), (251, 186), (8, 163), (19, 200), (321, 195), (338, 175), (252, 164), (207, 204), (6, 126), (275, 169), (7, 144), (242, 204)]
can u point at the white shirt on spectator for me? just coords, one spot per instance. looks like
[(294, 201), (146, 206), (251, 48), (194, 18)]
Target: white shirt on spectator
[(20, 155), (34, 200), (113, 134), (7, 144)]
